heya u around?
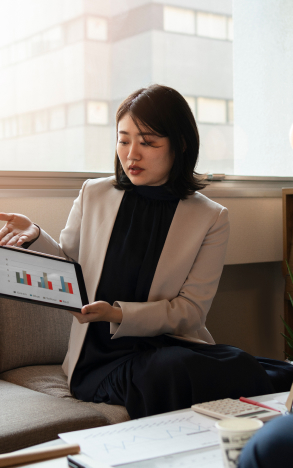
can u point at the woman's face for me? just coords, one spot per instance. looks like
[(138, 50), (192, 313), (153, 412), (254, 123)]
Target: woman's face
[(143, 164)]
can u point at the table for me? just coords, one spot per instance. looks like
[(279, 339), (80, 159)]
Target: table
[(203, 458)]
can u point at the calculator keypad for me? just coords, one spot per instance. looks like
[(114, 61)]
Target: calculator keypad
[(224, 408)]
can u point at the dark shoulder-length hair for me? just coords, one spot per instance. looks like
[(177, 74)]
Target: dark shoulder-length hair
[(166, 113)]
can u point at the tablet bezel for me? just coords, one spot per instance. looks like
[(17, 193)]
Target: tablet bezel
[(79, 277)]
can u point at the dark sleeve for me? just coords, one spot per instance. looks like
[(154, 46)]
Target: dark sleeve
[(26, 245)]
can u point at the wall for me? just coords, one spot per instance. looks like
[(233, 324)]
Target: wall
[(246, 309)]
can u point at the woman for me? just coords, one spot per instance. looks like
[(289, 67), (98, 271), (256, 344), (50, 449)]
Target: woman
[(152, 250)]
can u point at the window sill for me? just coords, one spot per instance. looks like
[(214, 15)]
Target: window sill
[(68, 184), (44, 184)]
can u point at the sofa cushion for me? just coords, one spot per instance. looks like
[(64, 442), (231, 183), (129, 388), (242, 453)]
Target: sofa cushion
[(30, 418), (32, 334), (52, 381)]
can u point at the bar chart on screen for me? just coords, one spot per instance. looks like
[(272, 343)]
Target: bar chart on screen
[(25, 276)]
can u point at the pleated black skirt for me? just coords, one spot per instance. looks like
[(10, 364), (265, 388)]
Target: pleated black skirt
[(177, 374)]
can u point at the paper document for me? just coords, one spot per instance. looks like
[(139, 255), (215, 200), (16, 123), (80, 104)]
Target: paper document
[(275, 404), (206, 458), (146, 438)]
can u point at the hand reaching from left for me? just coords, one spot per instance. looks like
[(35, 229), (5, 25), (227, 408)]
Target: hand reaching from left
[(99, 311)]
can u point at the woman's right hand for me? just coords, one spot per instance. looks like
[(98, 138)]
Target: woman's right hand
[(17, 230)]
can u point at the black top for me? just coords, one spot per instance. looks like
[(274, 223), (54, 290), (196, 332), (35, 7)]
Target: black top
[(135, 246)]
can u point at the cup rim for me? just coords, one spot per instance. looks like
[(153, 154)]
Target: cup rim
[(248, 424)]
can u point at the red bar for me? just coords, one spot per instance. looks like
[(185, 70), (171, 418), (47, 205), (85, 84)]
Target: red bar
[(29, 280), (70, 288), (50, 285)]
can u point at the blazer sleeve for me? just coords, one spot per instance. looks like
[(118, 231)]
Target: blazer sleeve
[(70, 236), (186, 314)]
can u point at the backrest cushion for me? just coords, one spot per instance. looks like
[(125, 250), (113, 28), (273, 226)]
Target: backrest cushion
[(31, 334)]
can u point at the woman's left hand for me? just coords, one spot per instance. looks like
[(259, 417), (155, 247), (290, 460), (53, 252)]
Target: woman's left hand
[(99, 311)]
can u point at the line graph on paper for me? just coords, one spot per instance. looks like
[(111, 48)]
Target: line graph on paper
[(145, 438)]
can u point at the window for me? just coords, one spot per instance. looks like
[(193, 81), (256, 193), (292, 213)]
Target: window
[(57, 118), (97, 29), (25, 124), (10, 127), (41, 121), (53, 38), (214, 26), (97, 113), (192, 103), (63, 73), (75, 114), (211, 110), (74, 31), (179, 20)]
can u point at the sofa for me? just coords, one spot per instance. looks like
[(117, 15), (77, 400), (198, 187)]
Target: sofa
[(35, 402)]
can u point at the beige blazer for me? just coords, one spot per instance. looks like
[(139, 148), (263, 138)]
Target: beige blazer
[(186, 277)]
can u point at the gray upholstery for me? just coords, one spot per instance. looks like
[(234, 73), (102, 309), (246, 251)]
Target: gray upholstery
[(31, 334), (52, 381), (29, 418), (35, 402)]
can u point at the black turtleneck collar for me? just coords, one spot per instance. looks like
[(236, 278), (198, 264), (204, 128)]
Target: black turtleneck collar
[(158, 192)]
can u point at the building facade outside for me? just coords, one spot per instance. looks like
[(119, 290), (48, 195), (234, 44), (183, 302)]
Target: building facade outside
[(66, 65)]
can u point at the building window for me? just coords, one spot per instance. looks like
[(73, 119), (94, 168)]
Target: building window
[(41, 121), (179, 20), (53, 38), (209, 25), (10, 127), (74, 31), (57, 118), (75, 114), (231, 112), (191, 101), (97, 29), (230, 29), (211, 110), (97, 113), (25, 124)]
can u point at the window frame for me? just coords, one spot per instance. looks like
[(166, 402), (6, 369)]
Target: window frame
[(16, 184)]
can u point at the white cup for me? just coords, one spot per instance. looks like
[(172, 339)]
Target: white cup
[(234, 433)]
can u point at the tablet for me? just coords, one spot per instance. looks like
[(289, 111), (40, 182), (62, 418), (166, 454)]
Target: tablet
[(42, 279)]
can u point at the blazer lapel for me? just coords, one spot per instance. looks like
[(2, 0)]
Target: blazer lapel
[(99, 219), (96, 235), (179, 251)]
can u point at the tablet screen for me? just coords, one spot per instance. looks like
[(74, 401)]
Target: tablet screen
[(30, 276)]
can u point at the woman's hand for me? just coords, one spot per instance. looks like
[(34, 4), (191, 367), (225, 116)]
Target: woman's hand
[(99, 311), (17, 230)]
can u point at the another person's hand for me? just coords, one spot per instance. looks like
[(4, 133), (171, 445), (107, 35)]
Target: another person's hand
[(99, 311), (17, 230)]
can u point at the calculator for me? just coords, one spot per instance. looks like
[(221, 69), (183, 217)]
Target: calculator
[(228, 408)]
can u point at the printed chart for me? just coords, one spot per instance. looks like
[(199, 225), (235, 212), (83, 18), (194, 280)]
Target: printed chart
[(147, 438), (38, 278)]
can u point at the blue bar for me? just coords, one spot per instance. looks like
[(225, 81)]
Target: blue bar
[(22, 280), (63, 284), (43, 282)]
